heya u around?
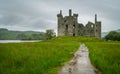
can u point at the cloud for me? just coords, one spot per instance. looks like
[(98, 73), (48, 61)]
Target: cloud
[(41, 14)]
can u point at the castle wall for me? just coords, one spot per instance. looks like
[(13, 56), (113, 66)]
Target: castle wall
[(68, 22), (89, 29), (69, 26), (81, 30)]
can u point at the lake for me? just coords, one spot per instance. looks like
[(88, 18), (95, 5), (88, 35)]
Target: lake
[(18, 41)]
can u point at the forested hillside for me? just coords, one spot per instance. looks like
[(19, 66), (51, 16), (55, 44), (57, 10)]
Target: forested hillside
[(6, 34)]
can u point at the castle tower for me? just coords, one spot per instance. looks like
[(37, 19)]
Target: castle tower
[(97, 28), (59, 22)]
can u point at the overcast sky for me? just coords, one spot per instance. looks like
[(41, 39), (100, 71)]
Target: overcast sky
[(39, 15)]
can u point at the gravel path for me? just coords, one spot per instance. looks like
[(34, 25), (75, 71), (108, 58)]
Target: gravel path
[(80, 64)]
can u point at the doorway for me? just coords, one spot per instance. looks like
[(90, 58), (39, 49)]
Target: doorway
[(73, 34)]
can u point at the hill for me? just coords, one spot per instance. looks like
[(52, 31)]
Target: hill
[(6, 34), (105, 33)]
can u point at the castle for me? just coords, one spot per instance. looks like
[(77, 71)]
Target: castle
[(69, 26)]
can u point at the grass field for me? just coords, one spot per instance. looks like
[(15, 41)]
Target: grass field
[(44, 57), (47, 57), (105, 56)]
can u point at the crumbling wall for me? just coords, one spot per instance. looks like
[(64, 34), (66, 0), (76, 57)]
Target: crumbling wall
[(69, 26)]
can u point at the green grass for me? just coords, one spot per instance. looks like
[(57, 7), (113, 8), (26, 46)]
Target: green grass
[(44, 57), (105, 56), (47, 57)]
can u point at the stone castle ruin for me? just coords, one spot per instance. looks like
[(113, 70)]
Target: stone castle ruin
[(69, 26)]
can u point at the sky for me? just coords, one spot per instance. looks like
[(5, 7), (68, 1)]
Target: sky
[(40, 15)]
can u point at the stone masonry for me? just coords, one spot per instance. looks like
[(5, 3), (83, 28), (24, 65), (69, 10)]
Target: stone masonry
[(69, 26)]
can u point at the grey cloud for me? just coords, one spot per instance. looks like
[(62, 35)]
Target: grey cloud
[(41, 14)]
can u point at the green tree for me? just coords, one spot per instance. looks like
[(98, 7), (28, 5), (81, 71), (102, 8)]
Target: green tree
[(113, 35), (50, 34)]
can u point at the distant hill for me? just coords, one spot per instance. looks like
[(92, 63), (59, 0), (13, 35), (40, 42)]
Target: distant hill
[(105, 33), (6, 34)]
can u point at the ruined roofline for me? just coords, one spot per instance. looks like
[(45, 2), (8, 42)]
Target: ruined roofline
[(89, 23), (76, 15), (70, 14)]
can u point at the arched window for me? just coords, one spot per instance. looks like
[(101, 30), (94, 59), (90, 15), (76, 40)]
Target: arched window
[(74, 26), (92, 26)]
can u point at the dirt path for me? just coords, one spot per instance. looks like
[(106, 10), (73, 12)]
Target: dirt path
[(80, 64)]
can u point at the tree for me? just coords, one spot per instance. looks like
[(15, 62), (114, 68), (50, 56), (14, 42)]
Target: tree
[(50, 34), (113, 35)]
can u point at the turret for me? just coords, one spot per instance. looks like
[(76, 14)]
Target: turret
[(60, 14), (70, 12), (95, 18), (97, 28)]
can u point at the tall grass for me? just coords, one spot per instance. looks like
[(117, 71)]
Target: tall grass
[(105, 56), (44, 57)]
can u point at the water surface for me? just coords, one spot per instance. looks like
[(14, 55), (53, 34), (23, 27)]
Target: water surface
[(18, 41)]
